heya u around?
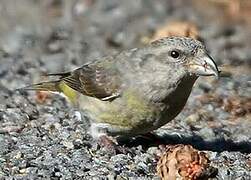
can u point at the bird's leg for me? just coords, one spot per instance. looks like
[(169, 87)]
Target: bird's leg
[(99, 132), (107, 142), (98, 129)]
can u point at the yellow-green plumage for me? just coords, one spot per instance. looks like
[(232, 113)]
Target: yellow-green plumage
[(56, 86), (129, 112), (70, 93), (138, 90)]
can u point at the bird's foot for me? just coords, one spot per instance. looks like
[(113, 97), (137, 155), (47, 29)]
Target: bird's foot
[(111, 145), (98, 129), (106, 141)]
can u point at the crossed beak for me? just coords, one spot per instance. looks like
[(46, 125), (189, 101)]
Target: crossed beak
[(204, 66)]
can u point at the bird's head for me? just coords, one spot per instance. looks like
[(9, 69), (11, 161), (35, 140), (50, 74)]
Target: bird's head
[(186, 53)]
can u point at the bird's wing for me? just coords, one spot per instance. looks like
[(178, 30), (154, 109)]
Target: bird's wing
[(98, 79)]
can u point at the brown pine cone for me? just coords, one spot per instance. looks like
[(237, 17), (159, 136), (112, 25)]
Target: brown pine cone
[(183, 162)]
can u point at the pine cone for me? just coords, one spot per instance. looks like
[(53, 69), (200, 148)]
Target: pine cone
[(183, 162)]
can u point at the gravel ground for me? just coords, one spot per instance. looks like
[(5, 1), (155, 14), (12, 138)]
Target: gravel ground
[(49, 140)]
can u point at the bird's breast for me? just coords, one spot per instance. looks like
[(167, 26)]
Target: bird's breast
[(175, 100), (131, 111), (135, 112)]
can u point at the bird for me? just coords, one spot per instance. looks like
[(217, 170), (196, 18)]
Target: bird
[(138, 90)]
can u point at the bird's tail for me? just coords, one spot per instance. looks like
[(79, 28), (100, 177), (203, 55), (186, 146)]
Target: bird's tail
[(44, 86), (55, 86)]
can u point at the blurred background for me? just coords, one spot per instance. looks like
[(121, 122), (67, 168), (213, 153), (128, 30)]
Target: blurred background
[(56, 35), (42, 135)]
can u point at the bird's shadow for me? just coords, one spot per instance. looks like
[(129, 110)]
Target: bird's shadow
[(216, 145)]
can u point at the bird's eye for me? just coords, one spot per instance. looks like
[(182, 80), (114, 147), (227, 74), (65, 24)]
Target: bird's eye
[(175, 54)]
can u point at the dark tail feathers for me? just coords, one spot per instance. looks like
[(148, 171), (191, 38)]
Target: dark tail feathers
[(44, 86)]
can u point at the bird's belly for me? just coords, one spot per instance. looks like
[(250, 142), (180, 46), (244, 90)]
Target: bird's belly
[(129, 114)]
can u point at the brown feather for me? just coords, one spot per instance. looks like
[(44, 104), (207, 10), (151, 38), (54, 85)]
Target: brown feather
[(91, 80)]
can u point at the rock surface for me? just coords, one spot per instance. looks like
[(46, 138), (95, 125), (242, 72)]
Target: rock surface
[(49, 140)]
